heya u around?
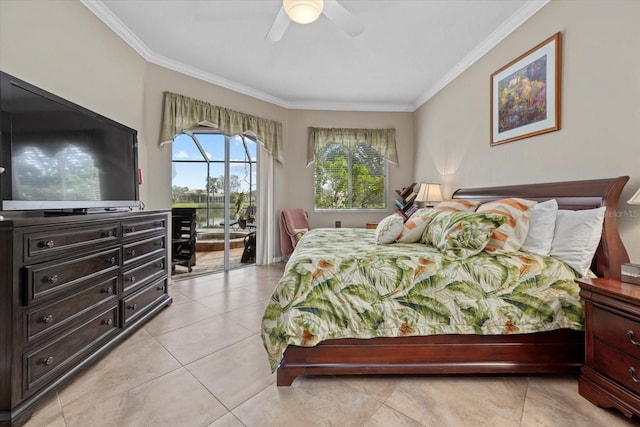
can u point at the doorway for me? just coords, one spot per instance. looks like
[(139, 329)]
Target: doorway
[(216, 176)]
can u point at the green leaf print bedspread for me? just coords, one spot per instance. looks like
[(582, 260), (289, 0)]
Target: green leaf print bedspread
[(339, 284)]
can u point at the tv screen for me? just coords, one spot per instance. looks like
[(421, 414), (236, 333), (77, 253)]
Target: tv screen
[(58, 155)]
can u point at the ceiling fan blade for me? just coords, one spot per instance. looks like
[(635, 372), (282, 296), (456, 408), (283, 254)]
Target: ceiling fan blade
[(279, 26), (342, 17)]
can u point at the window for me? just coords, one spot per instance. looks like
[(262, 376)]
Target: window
[(198, 175), (350, 179)]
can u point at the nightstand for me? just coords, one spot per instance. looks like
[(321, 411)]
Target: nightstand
[(610, 376)]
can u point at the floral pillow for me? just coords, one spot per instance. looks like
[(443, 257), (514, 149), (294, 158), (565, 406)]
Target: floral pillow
[(457, 205), (389, 229), (459, 235), (414, 228), (511, 235)]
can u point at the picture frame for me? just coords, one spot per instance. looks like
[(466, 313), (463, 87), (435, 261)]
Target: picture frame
[(525, 94)]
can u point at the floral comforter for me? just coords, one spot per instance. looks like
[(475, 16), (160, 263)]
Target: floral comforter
[(339, 284)]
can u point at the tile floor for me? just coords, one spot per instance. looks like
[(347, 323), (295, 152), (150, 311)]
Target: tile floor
[(200, 362)]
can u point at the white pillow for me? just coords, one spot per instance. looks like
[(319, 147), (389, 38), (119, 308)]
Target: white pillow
[(389, 229), (576, 237), (541, 228)]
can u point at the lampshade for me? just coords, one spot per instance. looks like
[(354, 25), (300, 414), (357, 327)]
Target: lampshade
[(635, 199), (303, 11), (429, 193)]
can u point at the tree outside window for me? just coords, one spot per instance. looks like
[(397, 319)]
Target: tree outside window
[(347, 179)]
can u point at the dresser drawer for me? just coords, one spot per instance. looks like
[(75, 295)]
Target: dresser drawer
[(142, 274), (131, 229), (617, 331), (138, 303), (51, 359), (47, 279), (53, 317), (617, 365), (51, 243), (142, 248)]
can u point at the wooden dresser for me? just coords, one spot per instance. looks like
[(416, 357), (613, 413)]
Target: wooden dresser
[(610, 377), (72, 287)]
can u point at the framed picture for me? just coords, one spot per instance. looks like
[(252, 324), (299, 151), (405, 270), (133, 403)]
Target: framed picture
[(525, 94)]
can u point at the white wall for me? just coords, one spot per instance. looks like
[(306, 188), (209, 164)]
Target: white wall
[(600, 113)]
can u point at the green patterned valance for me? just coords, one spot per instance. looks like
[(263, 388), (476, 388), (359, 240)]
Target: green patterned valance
[(383, 140), (181, 113)]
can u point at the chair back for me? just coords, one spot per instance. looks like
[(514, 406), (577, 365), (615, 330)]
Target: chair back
[(293, 224)]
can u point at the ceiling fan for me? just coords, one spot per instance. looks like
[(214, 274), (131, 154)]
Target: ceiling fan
[(307, 11)]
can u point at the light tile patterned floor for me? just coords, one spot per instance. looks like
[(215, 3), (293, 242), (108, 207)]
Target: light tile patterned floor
[(201, 362)]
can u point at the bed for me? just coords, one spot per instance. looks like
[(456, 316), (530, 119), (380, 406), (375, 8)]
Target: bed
[(498, 349)]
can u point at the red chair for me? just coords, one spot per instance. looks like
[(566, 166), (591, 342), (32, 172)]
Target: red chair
[(293, 224)]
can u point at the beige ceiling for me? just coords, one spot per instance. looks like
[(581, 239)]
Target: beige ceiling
[(408, 51)]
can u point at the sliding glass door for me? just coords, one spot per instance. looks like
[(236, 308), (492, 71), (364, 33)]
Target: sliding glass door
[(217, 176)]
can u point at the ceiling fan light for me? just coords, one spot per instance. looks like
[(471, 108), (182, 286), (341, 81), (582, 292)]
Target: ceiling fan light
[(303, 11)]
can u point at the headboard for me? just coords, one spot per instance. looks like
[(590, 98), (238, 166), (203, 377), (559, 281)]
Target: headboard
[(574, 195)]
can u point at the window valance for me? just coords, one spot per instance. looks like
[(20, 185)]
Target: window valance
[(383, 140), (181, 113)]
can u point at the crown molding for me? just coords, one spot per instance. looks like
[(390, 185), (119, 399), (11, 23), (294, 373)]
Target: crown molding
[(520, 17), (117, 26)]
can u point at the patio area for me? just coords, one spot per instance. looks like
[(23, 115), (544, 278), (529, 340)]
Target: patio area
[(210, 261)]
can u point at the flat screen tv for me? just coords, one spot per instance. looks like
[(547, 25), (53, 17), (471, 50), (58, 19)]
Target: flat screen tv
[(60, 156)]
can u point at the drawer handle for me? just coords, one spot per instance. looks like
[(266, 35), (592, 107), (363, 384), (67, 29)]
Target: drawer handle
[(48, 244), (108, 233), (52, 279), (160, 288), (632, 337), (48, 318), (632, 371), (160, 264), (130, 229), (132, 306), (106, 290), (158, 244), (131, 252), (131, 279), (158, 224), (107, 322), (111, 260), (47, 361)]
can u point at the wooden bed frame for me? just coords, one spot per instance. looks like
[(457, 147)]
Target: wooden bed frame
[(560, 351)]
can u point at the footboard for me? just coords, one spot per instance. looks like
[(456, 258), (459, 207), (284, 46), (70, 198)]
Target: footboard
[(559, 351)]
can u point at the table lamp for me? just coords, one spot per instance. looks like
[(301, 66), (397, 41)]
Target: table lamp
[(428, 194)]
